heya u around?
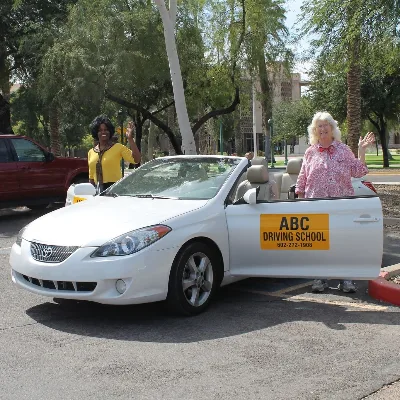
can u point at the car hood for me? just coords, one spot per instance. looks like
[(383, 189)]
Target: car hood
[(95, 221)]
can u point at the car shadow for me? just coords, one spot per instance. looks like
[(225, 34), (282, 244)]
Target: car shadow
[(232, 313)]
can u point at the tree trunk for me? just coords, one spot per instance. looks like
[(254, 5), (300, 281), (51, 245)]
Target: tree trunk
[(384, 144), (5, 85), (5, 116), (354, 100), (188, 144), (171, 123), (139, 131), (266, 103), (150, 141), (55, 142), (380, 126)]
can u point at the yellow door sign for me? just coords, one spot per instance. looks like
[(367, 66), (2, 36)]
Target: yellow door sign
[(294, 231)]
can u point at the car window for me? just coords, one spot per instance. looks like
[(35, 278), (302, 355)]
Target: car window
[(4, 153), (27, 151), (183, 178)]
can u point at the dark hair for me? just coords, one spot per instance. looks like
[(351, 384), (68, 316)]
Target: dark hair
[(95, 126)]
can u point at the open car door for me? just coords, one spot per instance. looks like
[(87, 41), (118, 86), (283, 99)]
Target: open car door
[(310, 238)]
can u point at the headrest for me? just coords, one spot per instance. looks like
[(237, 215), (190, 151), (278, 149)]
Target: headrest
[(259, 161), (294, 165), (257, 174)]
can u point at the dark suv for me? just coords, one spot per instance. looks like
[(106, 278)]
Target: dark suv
[(33, 177)]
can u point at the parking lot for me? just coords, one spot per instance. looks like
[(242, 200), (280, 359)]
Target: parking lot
[(261, 338)]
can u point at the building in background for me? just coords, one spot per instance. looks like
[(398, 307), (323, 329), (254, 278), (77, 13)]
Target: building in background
[(286, 87)]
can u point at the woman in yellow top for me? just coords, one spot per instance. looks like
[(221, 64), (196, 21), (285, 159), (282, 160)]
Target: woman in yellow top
[(105, 157)]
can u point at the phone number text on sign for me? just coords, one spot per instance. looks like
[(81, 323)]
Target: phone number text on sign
[(294, 231)]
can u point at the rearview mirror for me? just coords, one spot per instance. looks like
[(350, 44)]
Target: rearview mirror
[(84, 189)]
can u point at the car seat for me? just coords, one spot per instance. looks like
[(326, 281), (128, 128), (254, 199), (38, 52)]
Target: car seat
[(257, 176), (289, 178), (275, 176)]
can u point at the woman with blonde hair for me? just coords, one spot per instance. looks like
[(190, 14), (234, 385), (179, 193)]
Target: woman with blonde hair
[(327, 169)]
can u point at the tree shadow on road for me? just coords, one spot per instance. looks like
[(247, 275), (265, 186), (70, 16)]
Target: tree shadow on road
[(232, 313)]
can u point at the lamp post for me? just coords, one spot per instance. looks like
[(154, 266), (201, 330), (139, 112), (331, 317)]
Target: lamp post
[(271, 132), (221, 146), (285, 144), (121, 122)]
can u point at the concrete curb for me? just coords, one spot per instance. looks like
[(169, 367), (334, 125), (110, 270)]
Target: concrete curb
[(382, 289), (386, 183)]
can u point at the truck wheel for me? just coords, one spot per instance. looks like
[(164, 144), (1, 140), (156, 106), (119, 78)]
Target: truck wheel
[(80, 179)]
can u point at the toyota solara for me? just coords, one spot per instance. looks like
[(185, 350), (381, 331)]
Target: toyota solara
[(179, 227)]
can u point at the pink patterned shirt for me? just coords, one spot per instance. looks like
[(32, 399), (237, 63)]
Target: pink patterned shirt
[(328, 172)]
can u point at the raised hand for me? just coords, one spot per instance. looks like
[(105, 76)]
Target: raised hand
[(368, 140), (130, 130)]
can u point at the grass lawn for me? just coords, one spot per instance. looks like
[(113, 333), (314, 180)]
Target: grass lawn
[(374, 161)]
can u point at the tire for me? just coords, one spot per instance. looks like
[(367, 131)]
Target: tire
[(80, 179), (37, 207), (190, 288)]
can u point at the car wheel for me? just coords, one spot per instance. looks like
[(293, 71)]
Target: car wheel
[(195, 277), (37, 207)]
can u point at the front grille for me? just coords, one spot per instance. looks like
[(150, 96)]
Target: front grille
[(62, 285), (51, 254)]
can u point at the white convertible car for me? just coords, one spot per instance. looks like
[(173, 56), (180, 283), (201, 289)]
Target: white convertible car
[(179, 227)]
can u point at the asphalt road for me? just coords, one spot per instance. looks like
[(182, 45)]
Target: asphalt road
[(382, 177), (261, 339)]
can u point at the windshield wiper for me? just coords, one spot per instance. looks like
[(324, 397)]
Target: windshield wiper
[(151, 196), (110, 194)]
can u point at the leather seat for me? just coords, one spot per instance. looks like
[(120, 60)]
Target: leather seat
[(257, 176), (289, 178), (275, 176)]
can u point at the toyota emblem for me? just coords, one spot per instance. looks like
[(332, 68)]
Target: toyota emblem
[(46, 252)]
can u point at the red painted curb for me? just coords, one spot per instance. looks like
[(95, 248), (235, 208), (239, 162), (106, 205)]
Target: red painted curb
[(381, 289)]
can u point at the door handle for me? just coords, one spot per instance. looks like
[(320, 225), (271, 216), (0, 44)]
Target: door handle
[(366, 219), (25, 167)]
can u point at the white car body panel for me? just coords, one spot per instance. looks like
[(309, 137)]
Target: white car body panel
[(355, 247), (99, 216)]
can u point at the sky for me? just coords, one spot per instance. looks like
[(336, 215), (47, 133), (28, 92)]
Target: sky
[(293, 10)]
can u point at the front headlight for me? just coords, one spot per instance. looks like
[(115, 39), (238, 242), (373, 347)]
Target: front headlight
[(19, 236), (132, 242)]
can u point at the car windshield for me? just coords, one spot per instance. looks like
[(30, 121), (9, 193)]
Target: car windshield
[(178, 177)]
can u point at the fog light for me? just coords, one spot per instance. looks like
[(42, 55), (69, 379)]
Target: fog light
[(120, 285)]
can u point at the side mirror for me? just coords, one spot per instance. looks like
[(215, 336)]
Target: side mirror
[(250, 197), (50, 157), (84, 189)]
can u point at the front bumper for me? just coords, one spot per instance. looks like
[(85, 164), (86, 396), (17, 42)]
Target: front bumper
[(81, 277)]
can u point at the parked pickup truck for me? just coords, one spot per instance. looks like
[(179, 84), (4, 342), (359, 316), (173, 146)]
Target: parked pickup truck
[(33, 177)]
